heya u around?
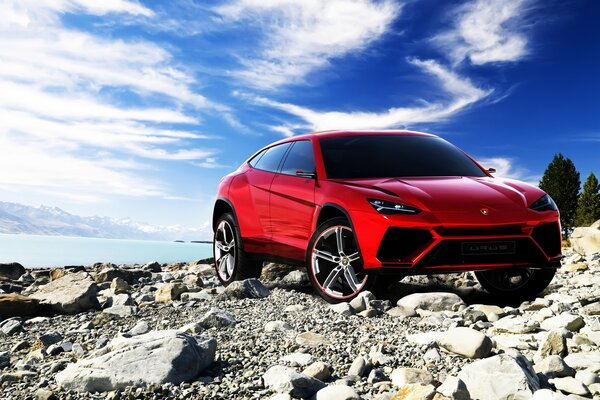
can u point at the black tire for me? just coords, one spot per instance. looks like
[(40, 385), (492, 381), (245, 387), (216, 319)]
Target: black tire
[(534, 281), (241, 266), (319, 269)]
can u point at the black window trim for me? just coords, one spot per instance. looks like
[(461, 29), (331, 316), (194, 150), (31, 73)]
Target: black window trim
[(288, 152), (283, 157)]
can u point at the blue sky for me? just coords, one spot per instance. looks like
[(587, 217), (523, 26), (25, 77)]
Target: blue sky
[(137, 108)]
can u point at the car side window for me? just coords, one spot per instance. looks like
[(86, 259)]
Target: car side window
[(272, 158), (257, 157), (299, 158)]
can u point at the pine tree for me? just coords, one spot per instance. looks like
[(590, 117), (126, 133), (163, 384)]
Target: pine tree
[(588, 206), (561, 182)]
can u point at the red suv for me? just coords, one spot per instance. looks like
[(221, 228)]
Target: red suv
[(354, 207)]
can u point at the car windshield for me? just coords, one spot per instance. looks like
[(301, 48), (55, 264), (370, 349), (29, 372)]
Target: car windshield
[(386, 156)]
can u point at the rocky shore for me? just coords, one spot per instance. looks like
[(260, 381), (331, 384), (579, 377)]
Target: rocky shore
[(172, 331)]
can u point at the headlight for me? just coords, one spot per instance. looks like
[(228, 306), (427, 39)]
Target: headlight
[(387, 207), (544, 203)]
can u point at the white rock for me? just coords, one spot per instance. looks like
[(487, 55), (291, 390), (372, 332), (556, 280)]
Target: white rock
[(565, 320), (547, 394), (342, 308), (433, 301), (318, 370), (587, 377), (295, 308), (311, 339), (361, 302), (358, 366), (282, 379), (298, 359), (500, 377), (157, 357), (140, 328), (454, 389), (570, 385), (121, 311), (337, 392), (401, 311), (515, 324), (586, 360), (466, 342), (554, 367), (586, 240), (406, 376), (275, 326), (423, 338)]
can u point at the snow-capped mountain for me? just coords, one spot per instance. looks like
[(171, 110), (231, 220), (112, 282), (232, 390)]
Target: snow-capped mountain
[(45, 220)]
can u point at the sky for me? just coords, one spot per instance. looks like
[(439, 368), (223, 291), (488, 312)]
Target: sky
[(136, 109)]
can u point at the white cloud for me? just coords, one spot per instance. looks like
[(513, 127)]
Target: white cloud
[(487, 31), (508, 168), (303, 36), (63, 128), (461, 93)]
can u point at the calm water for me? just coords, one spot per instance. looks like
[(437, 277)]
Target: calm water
[(34, 251)]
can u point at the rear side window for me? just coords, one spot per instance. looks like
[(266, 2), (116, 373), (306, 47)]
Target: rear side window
[(299, 158), (257, 157), (271, 159)]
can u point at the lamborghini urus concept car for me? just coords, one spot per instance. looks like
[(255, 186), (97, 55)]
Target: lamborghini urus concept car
[(355, 207)]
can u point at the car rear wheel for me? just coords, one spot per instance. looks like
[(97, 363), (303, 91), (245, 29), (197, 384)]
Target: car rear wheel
[(335, 266), (231, 262), (516, 283)]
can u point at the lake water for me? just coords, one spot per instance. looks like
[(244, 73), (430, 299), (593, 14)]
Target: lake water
[(35, 251)]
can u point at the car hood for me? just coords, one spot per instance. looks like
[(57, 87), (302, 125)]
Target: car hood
[(505, 200)]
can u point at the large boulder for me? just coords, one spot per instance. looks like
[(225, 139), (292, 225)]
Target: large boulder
[(16, 305), (500, 377), (128, 275), (11, 271), (156, 357), (169, 292), (70, 294), (434, 301), (586, 240)]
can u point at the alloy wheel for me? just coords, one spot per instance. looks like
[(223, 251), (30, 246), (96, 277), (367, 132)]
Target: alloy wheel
[(336, 263), (224, 247)]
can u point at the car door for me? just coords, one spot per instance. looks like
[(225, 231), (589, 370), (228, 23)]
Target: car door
[(259, 177), (292, 201)]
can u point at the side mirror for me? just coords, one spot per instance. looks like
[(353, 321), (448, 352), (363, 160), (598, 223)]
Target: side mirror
[(310, 175), (491, 170)]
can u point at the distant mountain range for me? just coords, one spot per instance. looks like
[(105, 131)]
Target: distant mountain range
[(44, 220)]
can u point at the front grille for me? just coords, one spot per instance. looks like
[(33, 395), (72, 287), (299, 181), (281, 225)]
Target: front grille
[(399, 244), (449, 252), (548, 237), (509, 230)]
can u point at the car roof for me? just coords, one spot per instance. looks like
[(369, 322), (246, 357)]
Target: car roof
[(341, 133)]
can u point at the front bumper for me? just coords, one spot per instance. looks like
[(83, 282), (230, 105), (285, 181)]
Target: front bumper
[(404, 245)]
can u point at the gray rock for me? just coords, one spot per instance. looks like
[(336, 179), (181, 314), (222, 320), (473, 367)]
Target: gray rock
[(11, 271), (295, 278), (342, 308), (11, 326), (554, 367), (215, 318), (274, 326), (554, 344), (405, 376), (361, 301), (283, 379), (500, 377), (584, 360), (246, 289), (169, 292), (121, 311), (466, 342), (570, 385), (119, 286), (195, 296), (140, 328), (401, 311), (565, 320), (515, 324), (311, 339), (358, 367), (434, 301), (157, 357), (50, 338), (70, 294), (337, 392), (4, 359), (454, 389)]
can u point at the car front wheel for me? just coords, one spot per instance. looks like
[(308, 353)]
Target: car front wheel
[(335, 266), (231, 262)]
